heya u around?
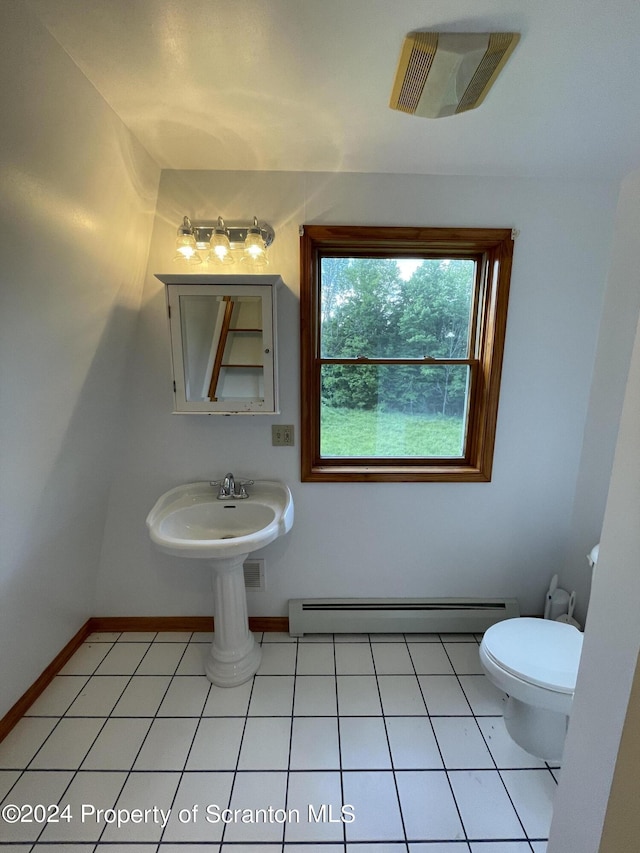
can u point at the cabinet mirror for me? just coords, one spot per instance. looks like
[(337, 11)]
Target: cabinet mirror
[(223, 343)]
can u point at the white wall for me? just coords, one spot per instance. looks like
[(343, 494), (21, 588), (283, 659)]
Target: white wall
[(77, 195), (615, 343), (503, 538), (612, 636)]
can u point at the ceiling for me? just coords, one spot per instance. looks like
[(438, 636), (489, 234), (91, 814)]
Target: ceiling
[(305, 84)]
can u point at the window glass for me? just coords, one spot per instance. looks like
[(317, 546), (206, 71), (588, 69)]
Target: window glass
[(396, 307), (382, 411)]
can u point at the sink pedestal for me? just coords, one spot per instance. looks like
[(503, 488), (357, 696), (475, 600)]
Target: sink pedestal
[(235, 656)]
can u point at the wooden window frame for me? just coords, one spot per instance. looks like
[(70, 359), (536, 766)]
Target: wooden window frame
[(493, 250)]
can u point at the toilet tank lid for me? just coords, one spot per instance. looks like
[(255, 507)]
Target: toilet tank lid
[(540, 651)]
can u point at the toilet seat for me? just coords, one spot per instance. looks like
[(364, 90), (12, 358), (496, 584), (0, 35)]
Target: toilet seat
[(541, 652)]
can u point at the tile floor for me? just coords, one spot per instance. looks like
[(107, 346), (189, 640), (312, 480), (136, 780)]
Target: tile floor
[(140, 753)]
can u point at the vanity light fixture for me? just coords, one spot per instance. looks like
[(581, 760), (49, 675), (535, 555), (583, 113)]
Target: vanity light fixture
[(223, 242)]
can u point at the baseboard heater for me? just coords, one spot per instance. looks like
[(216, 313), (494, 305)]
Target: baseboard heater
[(397, 615)]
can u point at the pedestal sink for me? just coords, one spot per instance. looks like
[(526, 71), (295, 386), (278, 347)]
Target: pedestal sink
[(191, 521)]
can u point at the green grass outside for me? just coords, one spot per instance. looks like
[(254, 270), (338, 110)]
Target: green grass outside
[(353, 432)]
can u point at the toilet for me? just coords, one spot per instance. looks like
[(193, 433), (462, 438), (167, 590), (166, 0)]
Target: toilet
[(535, 662)]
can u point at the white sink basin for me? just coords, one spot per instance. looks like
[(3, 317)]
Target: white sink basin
[(190, 521)]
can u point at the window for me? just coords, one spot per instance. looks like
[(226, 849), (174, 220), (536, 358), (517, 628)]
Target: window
[(402, 332)]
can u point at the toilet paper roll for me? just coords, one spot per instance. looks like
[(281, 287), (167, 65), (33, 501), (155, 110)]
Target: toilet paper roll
[(559, 603)]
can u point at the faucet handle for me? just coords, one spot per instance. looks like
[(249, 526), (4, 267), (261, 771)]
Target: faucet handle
[(219, 485), (243, 491)]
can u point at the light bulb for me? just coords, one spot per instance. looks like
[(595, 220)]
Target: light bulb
[(255, 251), (220, 252), (186, 250)]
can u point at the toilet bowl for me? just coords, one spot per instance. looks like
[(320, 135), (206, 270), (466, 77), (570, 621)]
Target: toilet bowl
[(535, 662)]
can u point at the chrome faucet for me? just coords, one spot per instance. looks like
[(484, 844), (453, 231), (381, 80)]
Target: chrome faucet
[(227, 488)]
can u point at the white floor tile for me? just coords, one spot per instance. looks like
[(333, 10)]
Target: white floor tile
[(401, 695), (202, 637), (8, 778), (315, 659), (142, 696), (458, 638), (430, 659), (57, 697), (34, 786), (314, 744), (358, 695), (377, 848), (484, 698), (363, 744), (167, 744), (265, 744), (217, 744), (428, 807), (314, 803), (181, 848), (505, 751), (255, 791), (173, 636), (315, 695), (375, 803), (461, 743), (117, 745), (87, 791), (24, 740), (354, 659), (151, 792), (484, 806), (532, 792), (228, 701), (443, 695), (137, 636), (422, 638), (189, 819), (392, 659), (278, 659), (277, 637), (68, 744), (465, 658), (99, 696), (193, 660), (272, 696), (185, 697), (413, 744), (161, 659), (103, 637), (86, 659), (123, 659)]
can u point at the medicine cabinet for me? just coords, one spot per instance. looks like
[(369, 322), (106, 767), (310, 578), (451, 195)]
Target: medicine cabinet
[(223, 343)]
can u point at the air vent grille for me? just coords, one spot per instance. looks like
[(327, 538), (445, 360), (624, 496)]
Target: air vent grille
[(254, 573), (499, 44), (416, 60)]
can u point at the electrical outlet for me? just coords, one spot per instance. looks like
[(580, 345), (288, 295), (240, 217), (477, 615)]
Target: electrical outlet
[(282, 435)]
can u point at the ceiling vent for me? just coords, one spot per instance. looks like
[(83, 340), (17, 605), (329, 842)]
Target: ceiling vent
[(442, 74)]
